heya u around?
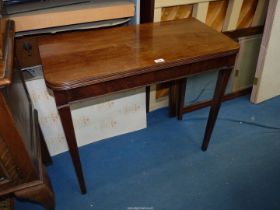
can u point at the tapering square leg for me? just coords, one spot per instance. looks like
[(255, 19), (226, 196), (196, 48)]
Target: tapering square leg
[(181, 97), (68, 127), (173, 99), (221, 85)]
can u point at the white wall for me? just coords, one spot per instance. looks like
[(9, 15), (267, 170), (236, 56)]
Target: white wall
[(268, 69), (94, 119)]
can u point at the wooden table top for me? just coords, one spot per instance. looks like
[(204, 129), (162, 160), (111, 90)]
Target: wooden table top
[(80, 58)]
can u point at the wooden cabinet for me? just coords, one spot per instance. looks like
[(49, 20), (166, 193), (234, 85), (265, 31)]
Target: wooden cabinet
[(22, 173)]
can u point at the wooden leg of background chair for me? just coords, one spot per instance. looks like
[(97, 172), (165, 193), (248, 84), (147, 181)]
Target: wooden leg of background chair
[(221, 84), (148, 99), (181, 97), (173, 90)]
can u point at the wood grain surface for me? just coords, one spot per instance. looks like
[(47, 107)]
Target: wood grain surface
[(82, 58), (216, 14), (176, 12), (247, 13)]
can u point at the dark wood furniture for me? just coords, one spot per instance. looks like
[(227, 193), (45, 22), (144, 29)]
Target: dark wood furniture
[(243, 29), (84, 64), (178, 89), (21, 170)]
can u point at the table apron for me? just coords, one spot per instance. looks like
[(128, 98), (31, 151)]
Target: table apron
[(64, 97)]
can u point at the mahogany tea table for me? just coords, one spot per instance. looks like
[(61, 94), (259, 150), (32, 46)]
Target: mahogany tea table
[(83, 64)]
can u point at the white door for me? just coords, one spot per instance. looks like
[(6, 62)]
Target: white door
[(267, 82)]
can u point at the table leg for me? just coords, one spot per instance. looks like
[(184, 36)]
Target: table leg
[(181, 97), (148, 89), (173, 98), (221, 84), (67, 123)]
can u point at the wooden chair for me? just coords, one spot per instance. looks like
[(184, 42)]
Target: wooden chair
[(22, 173)]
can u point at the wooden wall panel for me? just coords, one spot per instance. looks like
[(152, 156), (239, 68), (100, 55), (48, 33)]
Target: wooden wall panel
[(260, 14), (233, 13), (247, 13), (176, 12), (200, 11), (216, 14), (157, 14)]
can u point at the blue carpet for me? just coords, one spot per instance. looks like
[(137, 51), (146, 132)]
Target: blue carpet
[(163, 168)]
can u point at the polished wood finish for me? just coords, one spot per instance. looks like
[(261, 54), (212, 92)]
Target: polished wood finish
[(181, 97), (21, 169), (68, 128), (64, 97), (131, 50), (215, 18), (162, 89), (173, 98), (117, 59), (185, 109)]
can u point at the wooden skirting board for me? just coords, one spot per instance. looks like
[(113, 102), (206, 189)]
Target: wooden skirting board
[(227, 97)]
